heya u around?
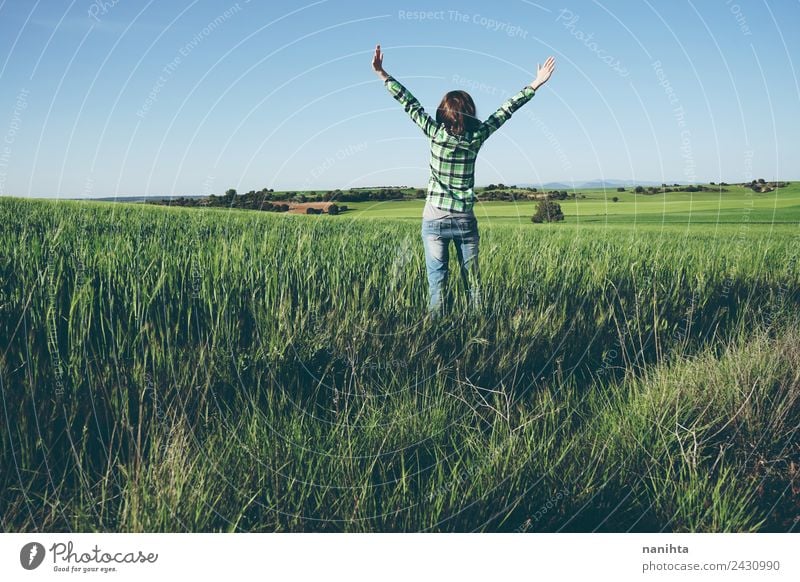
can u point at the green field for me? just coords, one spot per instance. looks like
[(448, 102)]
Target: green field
[(172, 369), (696, 211)]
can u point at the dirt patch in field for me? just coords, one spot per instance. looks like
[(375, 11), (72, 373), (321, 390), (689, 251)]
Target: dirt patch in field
[(300, 207)]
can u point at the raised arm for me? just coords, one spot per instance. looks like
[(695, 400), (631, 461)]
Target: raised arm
[(406, 99), (499, 117)]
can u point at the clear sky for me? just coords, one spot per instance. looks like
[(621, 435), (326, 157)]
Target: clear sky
[(124, 97)]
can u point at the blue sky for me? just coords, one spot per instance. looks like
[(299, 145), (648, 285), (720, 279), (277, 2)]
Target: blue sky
[(118, 97)]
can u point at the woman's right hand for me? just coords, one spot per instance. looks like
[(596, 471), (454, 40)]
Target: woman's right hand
[(543, 73)]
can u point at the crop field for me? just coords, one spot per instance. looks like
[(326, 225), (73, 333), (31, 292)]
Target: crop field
[(694, 211), (175, 369)]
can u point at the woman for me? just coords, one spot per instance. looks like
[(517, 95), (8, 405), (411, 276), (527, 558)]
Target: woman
[(456, 137)]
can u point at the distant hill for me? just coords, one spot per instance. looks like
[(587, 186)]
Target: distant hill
[(139, 198), (598, 183)]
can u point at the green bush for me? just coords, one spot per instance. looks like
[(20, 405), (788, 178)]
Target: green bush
[(547, 211)]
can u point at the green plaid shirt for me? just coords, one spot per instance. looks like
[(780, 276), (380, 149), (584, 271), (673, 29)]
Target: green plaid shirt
[(452, 163)]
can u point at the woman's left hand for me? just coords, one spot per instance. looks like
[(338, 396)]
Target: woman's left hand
[(377, 63)]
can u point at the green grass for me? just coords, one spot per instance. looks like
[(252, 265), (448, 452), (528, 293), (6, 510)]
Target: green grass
[(697, 211), (170, 369)]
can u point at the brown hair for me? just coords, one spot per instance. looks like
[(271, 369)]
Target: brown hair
[(457, 112)]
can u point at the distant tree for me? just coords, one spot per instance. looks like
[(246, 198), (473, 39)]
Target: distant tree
[(713, 183), (547, 211), (333, 209), (621, 189), (615, 199), (639, 189), (761, 181)]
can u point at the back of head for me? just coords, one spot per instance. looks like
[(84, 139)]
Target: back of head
[(457, 113)]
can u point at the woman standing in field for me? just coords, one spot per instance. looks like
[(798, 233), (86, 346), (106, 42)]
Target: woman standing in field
[(455, 136)]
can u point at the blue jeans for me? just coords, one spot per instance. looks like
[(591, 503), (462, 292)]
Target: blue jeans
[(436, 237)]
